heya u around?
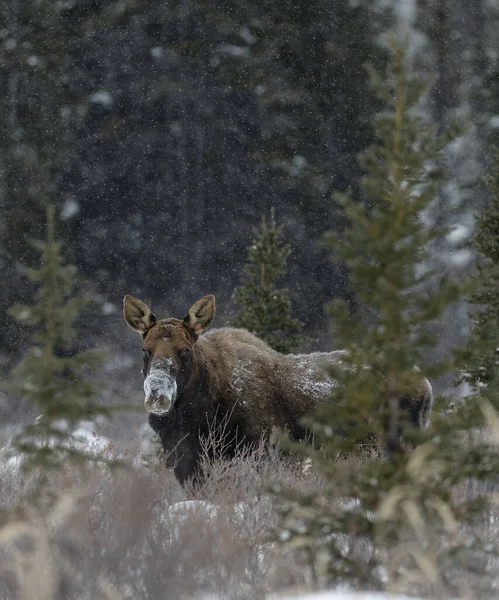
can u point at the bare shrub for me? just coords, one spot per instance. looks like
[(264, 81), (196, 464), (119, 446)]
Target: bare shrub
[(251, 471), (134, 533), (41, 554)]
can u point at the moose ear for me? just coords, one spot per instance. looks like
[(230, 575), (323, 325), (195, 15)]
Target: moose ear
[(137, 314), (200, 315)]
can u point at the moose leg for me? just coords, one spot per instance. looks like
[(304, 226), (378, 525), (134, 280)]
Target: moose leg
[(181, 449), (416, 410), (187, 465), (182, 453)]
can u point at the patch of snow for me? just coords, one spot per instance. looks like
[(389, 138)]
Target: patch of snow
[(9, 464), (33, 60), (149, 445), (460, 258), (157, 52), (465, 390), (108, 308), (459, 234), (242, 376), (86, 440), (307, 373), (406, 12), (233, 50), (247, 36), (24, 314), (240, 511), (181, 513), (70, 209), (10, 44), (83, 439), (175, 128), (300, 161), (315, 388), (454, 192), (66, 112), (310, 374), (186, 508), (103, 98), (494, 121), (338, 595)]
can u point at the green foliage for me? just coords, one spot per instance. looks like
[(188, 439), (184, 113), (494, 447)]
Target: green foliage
[(33, 137), (275, 86), (437, 19), (53, 376), (399, 522), (264, 309), (482, 353), (385, 248)]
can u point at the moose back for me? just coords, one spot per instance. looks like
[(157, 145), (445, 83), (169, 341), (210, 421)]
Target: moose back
[(230, 381)]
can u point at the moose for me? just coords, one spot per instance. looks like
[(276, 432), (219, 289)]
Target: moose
[(193, 382)]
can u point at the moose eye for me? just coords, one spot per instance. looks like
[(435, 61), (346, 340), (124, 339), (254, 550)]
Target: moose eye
[(183, 352)]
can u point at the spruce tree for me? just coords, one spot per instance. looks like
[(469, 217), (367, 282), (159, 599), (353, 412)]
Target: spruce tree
[(35, 102), (438, 19), (54, 376), (481, 357), (264, 309), (401, 522)]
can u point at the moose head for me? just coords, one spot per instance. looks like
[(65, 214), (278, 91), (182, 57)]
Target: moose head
[(168, 347)]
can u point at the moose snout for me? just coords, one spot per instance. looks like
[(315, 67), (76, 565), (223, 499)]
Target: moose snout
[(159, 405), (160, 389)]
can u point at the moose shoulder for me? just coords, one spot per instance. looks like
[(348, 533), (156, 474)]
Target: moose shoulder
[(230, 381)]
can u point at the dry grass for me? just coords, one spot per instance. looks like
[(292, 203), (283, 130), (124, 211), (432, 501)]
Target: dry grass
[(134, 533)]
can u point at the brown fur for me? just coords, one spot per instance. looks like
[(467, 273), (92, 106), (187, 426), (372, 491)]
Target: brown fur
[(230, 379)]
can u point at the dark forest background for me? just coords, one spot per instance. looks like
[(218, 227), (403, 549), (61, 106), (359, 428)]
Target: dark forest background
[(163, 131)]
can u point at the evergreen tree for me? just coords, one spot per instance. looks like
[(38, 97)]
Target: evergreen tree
[(442, 53), (306, 63), (53, 376), (438, 20), (255, 97), (34, 100), (482, 353), (481, 65), (398, 522), (264, 309)]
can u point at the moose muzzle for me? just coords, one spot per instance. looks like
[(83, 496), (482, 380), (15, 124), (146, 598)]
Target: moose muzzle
[(160, 387)]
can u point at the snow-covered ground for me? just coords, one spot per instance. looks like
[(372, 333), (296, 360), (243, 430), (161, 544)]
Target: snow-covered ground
[(338, 595), (84, 438), (145, 531), (328, 595)]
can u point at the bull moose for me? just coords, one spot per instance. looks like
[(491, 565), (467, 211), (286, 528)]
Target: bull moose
[(194, 381)]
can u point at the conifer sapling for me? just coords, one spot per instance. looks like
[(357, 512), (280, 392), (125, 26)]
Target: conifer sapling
[(398, 521), (482, 353), (54, 376), (264, 309)]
